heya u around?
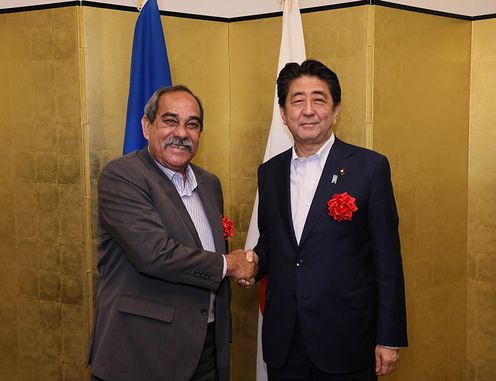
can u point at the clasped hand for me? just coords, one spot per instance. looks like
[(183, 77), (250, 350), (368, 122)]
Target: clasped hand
[(242, 266)]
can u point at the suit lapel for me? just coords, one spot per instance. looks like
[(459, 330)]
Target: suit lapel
[(282, 183), (327, 188), (214, 217), (171, 191)]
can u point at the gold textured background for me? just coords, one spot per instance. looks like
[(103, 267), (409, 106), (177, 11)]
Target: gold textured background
[(406, 92), (421, 118), (481, 247), (43, 308)]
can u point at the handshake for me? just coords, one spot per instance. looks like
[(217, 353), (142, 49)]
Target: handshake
[(242, 266)]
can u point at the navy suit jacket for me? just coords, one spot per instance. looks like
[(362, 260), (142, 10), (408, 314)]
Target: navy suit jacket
[(343, 283)]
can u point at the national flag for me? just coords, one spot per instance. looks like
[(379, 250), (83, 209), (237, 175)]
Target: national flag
[(292, 50), (149, 71)]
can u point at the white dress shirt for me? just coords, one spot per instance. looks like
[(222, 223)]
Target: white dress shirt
[(305, 175)]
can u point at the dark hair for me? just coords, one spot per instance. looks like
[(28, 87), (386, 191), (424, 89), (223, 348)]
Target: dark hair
[(151, 107), (310, 68)]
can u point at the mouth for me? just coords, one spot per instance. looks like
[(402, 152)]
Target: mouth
[(181, 147), (308, 124)]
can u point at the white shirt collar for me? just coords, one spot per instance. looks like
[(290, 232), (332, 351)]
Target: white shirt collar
[(321, 154), (183, 188)]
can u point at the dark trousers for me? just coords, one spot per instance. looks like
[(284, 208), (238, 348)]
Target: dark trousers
[(207, 368), (299, 367)]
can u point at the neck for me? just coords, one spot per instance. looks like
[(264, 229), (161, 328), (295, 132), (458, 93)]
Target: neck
[(308, 149)]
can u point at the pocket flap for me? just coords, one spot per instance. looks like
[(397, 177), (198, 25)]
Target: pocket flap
[(146, 308)]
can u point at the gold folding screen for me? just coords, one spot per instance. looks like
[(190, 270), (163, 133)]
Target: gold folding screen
[(421, 118), (481, 243), (43, 299), (408, 91)]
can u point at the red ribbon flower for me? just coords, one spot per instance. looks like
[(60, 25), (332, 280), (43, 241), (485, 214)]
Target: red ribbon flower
[(228, 227), (341, 206)]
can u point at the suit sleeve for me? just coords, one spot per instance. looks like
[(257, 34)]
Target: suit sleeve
[(261, 247), (383, 220), (128, 216)]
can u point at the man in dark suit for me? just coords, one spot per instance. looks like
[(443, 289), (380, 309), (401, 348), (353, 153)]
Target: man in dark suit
[(335, 304), (162, 310)]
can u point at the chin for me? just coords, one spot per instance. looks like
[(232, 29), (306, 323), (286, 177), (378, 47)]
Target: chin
[(179, 164), (310, 138)]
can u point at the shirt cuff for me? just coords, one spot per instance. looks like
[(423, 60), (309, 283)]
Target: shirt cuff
[(388, 347), (224, 269)]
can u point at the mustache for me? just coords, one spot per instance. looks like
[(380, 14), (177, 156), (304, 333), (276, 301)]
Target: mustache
[(179, 142)]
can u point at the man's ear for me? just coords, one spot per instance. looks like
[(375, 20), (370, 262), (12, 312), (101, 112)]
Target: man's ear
[(283, 114), (335, 112), (145, 126)]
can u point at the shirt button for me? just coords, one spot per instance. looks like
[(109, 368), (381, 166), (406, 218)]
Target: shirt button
[(204, 311), (299, 263)]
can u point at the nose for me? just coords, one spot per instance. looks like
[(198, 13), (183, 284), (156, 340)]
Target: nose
[(181, 131), (308, 108)]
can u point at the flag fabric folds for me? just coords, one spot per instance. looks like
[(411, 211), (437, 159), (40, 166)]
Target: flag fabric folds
[(292, 50), (149, 71)]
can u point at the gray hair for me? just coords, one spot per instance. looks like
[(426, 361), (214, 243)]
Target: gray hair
[(151, 107)]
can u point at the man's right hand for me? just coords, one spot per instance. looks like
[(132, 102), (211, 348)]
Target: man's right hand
[(242, 266)]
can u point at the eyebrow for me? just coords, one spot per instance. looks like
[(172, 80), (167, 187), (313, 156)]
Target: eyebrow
[(171, 114), (317, 92)]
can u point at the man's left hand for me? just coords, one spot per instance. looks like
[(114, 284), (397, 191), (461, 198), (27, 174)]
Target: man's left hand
[(385, 360)]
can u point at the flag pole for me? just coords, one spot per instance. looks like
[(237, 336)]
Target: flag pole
[(140, 4)]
